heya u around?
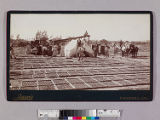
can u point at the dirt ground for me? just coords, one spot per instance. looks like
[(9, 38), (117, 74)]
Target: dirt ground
[(36, 72)]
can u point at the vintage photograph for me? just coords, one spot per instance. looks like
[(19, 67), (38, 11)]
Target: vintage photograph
[(79, 51)]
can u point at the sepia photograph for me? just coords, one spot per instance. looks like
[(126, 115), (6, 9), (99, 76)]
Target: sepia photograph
[(101, 51)]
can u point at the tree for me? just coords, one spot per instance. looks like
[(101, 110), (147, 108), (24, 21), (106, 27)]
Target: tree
[(41, 35)]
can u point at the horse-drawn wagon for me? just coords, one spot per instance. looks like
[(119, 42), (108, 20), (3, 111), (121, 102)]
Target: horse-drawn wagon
[(38, 47)]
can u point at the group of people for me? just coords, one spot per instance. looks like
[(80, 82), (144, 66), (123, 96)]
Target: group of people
[(44, 49), (81, 51), (54, 50), (126, 49), (98, 50)]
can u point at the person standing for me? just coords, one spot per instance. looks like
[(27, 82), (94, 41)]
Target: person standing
[(79, 44), (121, 44), (12, 54), (107, 50), (95, 49)]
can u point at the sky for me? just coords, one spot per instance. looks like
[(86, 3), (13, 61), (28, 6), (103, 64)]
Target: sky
[(112, 27)]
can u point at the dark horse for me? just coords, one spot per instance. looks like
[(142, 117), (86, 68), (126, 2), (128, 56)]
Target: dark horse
[(133, 50), (126, 52)]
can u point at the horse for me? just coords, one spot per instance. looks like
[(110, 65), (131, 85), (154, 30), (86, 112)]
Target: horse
[(125, 49), (134, 50), (48, 50), (45, 50), (39, 50)]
